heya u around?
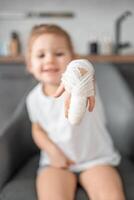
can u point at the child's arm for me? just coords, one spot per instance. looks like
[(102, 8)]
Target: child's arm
[(57, 157)]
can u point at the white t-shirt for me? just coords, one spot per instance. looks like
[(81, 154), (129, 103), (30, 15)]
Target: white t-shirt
[(88, 144)]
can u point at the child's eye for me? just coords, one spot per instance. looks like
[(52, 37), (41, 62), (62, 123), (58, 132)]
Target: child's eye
[(59, 54), (41, 55)]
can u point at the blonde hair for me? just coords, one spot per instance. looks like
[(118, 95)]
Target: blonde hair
[(44, 29)]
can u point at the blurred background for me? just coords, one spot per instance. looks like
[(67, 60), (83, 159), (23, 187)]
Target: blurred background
[(102, 30), (86, 20)]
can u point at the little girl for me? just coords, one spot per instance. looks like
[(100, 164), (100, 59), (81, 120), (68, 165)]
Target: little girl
[(70, 154)]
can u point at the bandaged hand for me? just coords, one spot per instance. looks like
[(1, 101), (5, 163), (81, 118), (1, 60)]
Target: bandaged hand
[(78, 83)]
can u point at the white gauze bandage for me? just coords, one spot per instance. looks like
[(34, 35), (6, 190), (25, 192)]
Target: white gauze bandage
[(78, 80)]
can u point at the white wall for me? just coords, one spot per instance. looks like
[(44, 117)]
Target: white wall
[(93, 19)]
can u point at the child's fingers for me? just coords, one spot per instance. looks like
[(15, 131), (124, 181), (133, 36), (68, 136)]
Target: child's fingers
[(67, 104), (59, 91), (71, 162), (91, 103)]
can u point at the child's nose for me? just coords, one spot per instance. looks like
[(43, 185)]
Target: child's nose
[(49, 58)]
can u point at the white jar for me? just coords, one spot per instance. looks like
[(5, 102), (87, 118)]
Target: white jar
[(106, 47)]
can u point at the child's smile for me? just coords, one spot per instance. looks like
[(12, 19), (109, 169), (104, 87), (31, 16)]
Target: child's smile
[(50, 70)]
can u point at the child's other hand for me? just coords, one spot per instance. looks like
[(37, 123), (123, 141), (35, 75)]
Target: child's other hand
[(59, 159), (61, 89)]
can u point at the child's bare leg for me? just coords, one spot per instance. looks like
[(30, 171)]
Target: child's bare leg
[(56, 184), (102, 183)]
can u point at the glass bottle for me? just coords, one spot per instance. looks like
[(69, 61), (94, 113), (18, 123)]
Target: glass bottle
[(14, 45)]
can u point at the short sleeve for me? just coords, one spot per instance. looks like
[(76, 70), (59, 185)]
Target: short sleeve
[(31, 107)]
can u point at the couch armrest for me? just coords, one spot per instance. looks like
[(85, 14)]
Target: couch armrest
[(16, 144), (118, 104)]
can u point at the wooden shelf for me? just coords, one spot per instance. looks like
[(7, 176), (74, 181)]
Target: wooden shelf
[(93, 58), (111, 58)]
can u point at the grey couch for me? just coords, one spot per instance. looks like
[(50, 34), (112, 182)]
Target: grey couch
[(19, 155)]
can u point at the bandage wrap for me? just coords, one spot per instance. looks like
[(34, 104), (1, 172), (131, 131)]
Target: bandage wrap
[(80, 86)]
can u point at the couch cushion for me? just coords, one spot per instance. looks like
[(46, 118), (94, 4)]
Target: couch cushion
[(22, 186)]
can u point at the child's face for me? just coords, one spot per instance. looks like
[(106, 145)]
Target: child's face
[(49, 57)]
